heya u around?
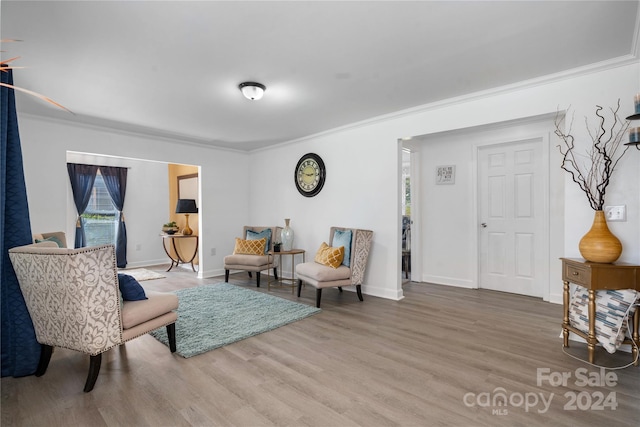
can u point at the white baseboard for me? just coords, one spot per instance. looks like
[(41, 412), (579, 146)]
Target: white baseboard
[(449, 281), (148, 263)]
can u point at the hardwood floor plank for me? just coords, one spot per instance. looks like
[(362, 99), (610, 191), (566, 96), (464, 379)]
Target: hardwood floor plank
[(429, 359)]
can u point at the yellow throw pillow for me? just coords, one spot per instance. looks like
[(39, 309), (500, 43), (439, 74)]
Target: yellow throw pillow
[(329, 256), (250, 247)]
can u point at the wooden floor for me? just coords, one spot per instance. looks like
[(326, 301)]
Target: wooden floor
[(441, 356)]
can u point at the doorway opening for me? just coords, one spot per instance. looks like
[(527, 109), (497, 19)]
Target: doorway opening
[(446, 220), (406, 216), (151, 199)]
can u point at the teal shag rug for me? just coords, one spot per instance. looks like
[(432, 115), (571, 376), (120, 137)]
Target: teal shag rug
[(212, 316)]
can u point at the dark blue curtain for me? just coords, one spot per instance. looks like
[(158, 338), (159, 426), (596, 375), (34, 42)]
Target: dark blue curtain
[(115, 180), (82, 178), (20, 350)]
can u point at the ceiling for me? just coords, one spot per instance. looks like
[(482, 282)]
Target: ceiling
[(172, 68)]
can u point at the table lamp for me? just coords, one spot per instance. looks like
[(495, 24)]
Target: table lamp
[(186, 206)]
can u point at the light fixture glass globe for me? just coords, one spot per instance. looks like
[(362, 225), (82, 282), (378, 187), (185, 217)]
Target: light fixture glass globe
[(252, 91)]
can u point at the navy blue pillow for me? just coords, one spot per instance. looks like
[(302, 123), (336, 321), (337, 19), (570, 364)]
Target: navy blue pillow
[(130, 288)]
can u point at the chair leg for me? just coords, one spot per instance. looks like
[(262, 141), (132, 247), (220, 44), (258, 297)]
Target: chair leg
[(340, 289), (318, 296), (275, 273), (171, 333), (250, 275), (257, 279), (359, 290), (45, 357), (226, 275), (94, 370), (299, 287)]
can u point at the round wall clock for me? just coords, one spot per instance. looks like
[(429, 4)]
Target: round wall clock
[(309, 175)]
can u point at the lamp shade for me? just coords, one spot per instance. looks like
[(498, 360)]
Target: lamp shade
[(186, 206), (252, 90)]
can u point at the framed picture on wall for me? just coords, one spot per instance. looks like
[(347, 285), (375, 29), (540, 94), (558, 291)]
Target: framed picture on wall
[(445, 174), (188, 187)]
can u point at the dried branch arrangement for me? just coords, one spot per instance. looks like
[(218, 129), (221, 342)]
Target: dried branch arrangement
[(593, 170), (4, 67)]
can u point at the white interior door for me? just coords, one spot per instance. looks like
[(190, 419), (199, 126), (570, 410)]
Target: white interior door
[(512, 241)]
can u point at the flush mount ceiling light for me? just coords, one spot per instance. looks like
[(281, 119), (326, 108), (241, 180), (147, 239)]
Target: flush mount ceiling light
[(252, 90)]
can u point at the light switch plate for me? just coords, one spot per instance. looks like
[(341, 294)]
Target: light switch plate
[(615, 213)]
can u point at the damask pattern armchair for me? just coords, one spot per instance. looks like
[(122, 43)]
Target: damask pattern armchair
[(74, 301), (350, 273)]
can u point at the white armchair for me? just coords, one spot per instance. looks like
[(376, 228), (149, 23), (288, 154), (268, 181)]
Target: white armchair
[(74, 301)]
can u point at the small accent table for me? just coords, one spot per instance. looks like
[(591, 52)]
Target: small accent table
[(284, 282), (597, 276), (175, 261)]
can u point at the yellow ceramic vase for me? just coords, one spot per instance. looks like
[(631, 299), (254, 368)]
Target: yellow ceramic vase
[(599, 244)]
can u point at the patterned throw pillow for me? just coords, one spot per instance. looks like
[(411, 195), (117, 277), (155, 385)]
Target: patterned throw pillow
[(612, 310), (254, 235), (343, 238), (331, 257), (250, 247)]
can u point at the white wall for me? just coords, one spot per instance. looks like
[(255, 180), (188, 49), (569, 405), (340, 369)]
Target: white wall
[(363, 172), (224, 185), (361, 191)]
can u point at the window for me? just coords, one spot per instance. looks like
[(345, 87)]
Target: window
[(100, 219)]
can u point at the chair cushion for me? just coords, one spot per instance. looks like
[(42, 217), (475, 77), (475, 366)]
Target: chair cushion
[(322, 273), (343, 238), (246, 260), (130, 289), (250, 247), (329, 256), (254, 235), (158, 303)]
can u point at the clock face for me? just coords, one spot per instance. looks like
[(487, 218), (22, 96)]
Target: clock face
[(309, 175)]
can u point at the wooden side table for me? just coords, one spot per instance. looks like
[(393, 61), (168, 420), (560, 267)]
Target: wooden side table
[(280, 280), (178, 259), (597, 276)]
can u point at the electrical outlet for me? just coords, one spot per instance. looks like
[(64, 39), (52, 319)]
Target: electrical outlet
[(615, 213), (213, 251)]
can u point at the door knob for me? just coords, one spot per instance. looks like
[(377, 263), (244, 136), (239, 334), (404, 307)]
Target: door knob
[(484, 225)]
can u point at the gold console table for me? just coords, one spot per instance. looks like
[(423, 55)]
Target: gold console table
[(175, 261), (594, 277)]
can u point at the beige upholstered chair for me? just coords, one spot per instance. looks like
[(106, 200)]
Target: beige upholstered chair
[(253, 263), (321, 276), (74, 301), (55, 236)]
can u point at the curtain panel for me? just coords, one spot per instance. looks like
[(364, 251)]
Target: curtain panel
[(20, 350), (82, 178), (115, 180)]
